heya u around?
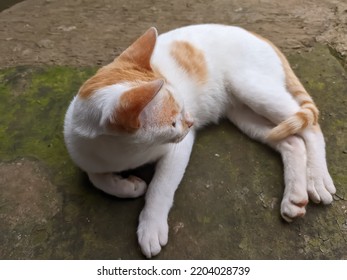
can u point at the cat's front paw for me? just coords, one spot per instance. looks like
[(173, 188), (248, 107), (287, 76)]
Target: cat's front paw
[(152, 234), (320, 186), (293, 207)]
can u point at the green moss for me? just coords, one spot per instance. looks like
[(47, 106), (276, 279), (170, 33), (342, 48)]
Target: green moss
[(32, 116)]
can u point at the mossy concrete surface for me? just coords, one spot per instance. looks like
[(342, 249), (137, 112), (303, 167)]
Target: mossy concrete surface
[(227, 206)]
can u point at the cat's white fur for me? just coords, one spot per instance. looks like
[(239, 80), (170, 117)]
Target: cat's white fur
[(245, 83)]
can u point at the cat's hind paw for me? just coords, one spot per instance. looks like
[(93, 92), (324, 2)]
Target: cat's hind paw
[(130, 187), (152, 235), (116, 185), (139, 186), (292, 208), (320, 186)]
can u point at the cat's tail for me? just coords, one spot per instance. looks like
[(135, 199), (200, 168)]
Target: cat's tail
[(307, 114), (305, 117)]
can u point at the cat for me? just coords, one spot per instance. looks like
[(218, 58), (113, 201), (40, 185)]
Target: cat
[(147, 104)]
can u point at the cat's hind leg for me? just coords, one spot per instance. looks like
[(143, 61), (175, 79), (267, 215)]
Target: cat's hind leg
[(269, 98), (320, 186), (116, 185), (293, 152)]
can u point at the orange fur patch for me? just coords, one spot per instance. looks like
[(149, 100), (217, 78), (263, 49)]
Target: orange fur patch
[(168, 110), (131, 104), (116, 72), (303, 117), (141, 50), (133, 65), (305, 102), (190, 59), (313, 109), (297, 93)]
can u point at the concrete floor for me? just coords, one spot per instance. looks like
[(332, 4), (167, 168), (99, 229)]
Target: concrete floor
[(227, 206)]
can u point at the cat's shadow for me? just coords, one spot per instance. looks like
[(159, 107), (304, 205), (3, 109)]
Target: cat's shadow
[(144, 172)]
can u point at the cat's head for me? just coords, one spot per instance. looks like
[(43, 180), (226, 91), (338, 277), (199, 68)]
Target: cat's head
[(129, 99)]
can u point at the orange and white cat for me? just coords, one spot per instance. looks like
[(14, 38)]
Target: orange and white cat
[(147, 104)]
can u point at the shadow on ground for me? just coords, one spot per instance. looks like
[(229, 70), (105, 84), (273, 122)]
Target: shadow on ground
[(227, 206)]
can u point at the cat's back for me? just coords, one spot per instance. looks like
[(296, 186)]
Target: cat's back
[(224, 47), (221, 50), (203, 60), (207, 33), (214, 40)]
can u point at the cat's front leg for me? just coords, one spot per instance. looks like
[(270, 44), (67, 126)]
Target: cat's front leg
[(153, 227), (116, 185)]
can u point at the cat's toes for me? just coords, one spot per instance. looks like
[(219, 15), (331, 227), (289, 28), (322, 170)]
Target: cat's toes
[(292, 208), (152, 236), (320, 187), (139, 186), (130, 187)]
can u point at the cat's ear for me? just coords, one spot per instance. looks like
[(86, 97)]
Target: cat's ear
[(131, 104), (141, 50)]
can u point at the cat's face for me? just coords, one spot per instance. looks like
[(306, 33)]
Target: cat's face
[(164, 120), (149, 113), (136, 102)]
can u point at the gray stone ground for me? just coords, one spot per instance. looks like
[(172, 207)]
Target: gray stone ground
[(227, 206)]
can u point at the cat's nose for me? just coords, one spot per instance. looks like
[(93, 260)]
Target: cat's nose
[(188, 120), (189, 123)]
